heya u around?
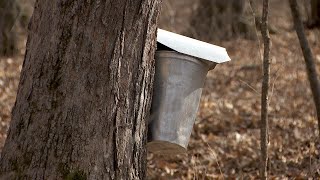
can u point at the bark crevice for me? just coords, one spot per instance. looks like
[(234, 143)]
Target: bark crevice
[(84, 93)]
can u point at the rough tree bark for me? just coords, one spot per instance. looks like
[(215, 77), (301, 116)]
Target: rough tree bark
[(220, 20), (84, 93), (308, 57), (265, 89), (8, 16)]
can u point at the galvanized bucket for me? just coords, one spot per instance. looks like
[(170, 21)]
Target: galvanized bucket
[(178, 84)]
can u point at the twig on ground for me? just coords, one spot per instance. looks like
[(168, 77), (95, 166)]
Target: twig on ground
[(252, 88), (217, 161)]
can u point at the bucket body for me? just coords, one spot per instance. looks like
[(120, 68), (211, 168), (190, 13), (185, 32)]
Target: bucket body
[(178, 84)]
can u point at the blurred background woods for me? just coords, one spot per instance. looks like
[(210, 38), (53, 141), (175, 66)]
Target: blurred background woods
[(225, 139), (314, 21), (8, 15), (14, 18), (223, 19), (209, 19)]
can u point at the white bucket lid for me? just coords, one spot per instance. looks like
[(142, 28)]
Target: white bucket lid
[(192, 47)]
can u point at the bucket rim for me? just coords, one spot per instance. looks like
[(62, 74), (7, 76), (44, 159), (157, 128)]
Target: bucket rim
[(177, 55), (171, 147)]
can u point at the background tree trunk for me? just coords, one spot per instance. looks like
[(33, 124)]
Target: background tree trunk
[(84, 93), (311, 66), (8, 16), (221, 20), (315, 14)]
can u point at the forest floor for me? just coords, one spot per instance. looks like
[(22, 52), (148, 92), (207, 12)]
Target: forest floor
[(225, 139)]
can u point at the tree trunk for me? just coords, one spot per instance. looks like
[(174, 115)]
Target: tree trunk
[(311, 66), (84, 93), (220, 20), (264, 126), (8, 16)]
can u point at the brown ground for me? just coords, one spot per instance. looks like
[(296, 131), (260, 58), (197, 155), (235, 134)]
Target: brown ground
[(225, 139)]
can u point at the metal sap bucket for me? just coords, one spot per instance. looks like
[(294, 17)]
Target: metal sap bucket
[(178, 84)]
